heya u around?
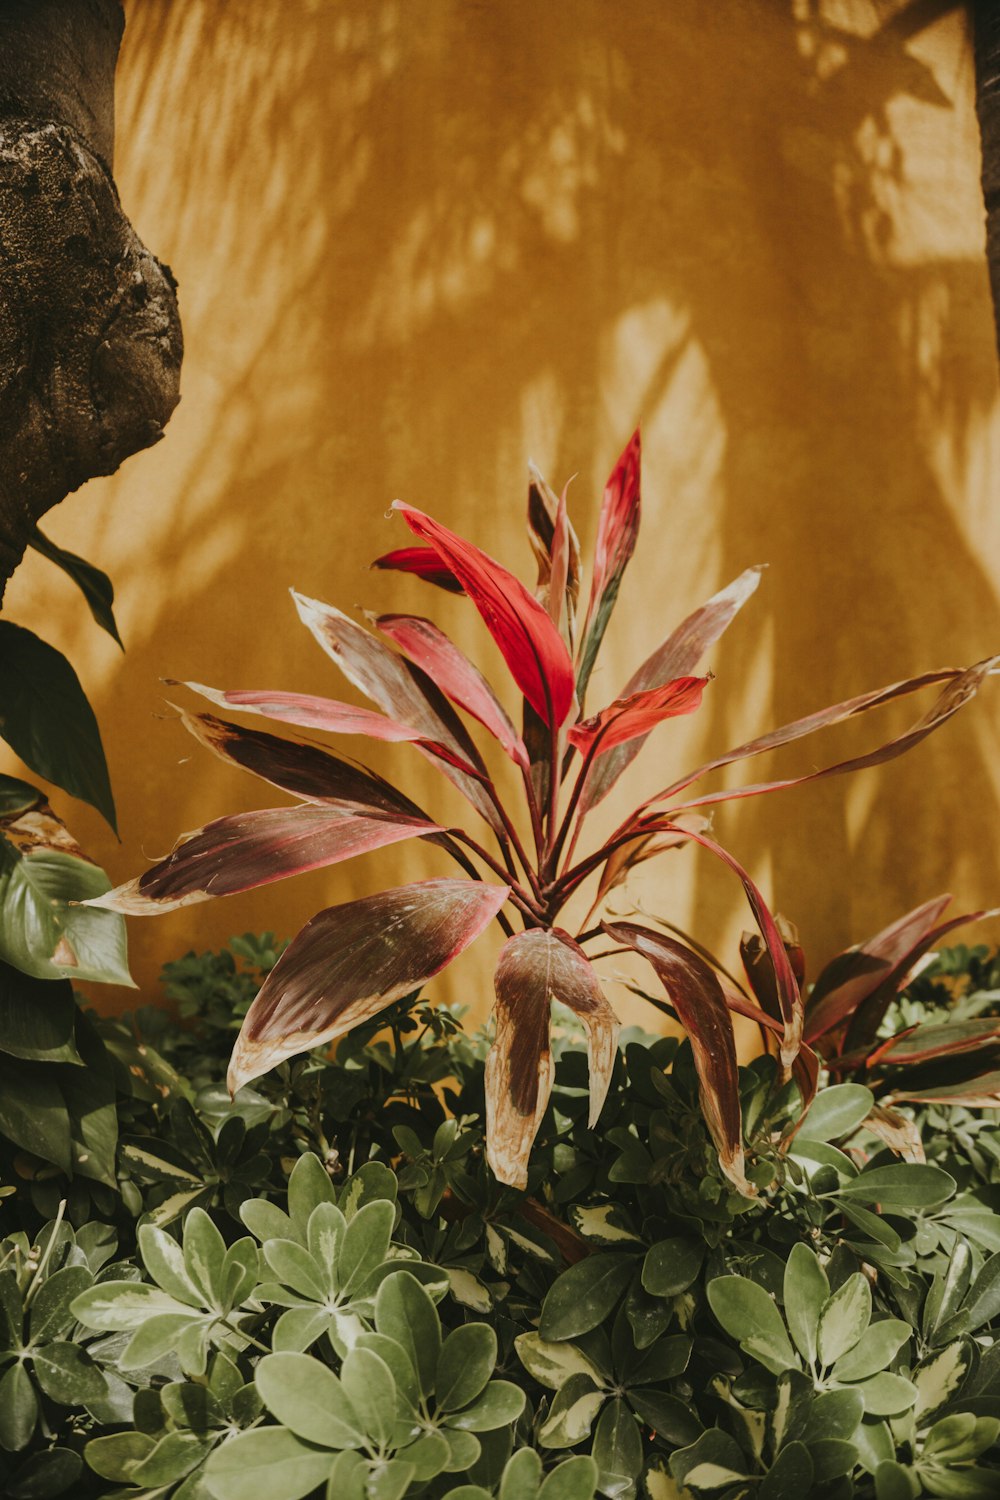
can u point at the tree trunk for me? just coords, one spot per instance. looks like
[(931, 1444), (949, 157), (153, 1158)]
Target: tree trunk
[(987, 24), (90, 338)]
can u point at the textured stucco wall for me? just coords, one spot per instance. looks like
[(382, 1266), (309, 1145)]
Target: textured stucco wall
[(419, 241)]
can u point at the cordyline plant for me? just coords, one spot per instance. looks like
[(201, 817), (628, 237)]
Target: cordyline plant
[(351, 961)]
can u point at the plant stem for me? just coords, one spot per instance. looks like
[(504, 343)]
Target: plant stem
[(518, 895)]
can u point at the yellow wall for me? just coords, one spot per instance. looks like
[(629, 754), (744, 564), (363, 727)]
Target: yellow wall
[(419, 241)]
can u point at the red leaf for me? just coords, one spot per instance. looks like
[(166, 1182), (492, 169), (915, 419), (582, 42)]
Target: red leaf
[(309, 712), (305, 771), (535, 968), (789, 997), (679, 654), (430, 648), (556, 546), (529, 642), (628, 718), (351, 961), (647, 846), (758, 966), (617, 531), (962, 686), (422, 562), (402, 691), (695, 993), (250, 849), (851, 977)]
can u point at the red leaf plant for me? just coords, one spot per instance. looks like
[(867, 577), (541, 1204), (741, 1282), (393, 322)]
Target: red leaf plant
[(523, 868)]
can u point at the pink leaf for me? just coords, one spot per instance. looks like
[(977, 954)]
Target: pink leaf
[(678, 656), (430, 648), (402, 691), (535, 968), (422, 562), (962, 687), (628, 718), (696, 995), (529, 642), (617, 531), (309, 712), (250, 849), (351, 961)]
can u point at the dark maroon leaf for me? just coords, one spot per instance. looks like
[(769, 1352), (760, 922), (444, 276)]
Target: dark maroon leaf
[(250, 849), (351, 961), (617, 531), (535, 968), (923, 1043), (303, 770), (696, 995)]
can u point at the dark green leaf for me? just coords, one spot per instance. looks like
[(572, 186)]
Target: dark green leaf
[(18, 1408), (37, 1017), (47, 721), (46, 1475), (95, 586), (584, 1296), (904, 1185), (671, 1266), (43, 931), (68, 1375)]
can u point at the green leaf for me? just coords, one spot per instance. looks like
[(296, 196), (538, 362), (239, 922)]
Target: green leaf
[(43, 933), (617, 1449), (748, 1314), (667, 1415), (844, 1319), (47, 721), (603, 1224), (552, 1364), (50, 1311), (671, 1266), (17, 796), (268, 1461), (938, 1379), (983, 1304), (45, 1475), (805, 1291), (875, 1445), (95, 586), (714, 1451), (875, 1352), (308, 1186), (367, 1383), (37, 1018), (18, 1409), (113, 1305), (467, 1360), (184, 1332), (575, 1479), (887, 1395), (33, 1112), (836, 1112), (522, 1475), (834, 1416), (117, 1454), (365, 1245), (502, 1402), (164, 1260), (405, 1312), (572, 1413), (584, 1296), (831, 1458), (310, 1400), (204, 1258), (790, 1475), (903, 1185), (893, 1482), (174, 1456)]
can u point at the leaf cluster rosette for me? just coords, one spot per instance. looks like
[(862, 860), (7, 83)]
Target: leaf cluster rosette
[(523, 868)]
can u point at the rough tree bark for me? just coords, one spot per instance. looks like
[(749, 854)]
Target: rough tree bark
[(987, 27), (90, 338)]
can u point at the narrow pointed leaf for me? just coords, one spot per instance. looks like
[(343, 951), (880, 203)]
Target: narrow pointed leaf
[(251, 849), (455, 675), (678, 656), (47, 721), (529, 642), (851, 977), (617, 531), (760, 970), (535, 968), (422, 562), (961, 688), (696, 995), (402, 691), (646, 846), (789, 996), (544, 511), (308, 711), (351, 961), (95, 586), (950, 1039), (303, 770), (628, 719)]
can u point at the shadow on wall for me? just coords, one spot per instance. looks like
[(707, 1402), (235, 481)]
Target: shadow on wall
[(418, 243)]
